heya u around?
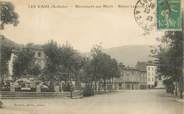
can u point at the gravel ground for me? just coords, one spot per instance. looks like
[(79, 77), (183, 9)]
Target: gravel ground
[(122, 102)]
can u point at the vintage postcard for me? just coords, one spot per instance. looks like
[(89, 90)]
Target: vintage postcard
[(91, 56)]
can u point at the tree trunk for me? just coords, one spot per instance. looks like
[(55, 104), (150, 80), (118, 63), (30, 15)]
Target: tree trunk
[(1, 26), (51, 86), (112, 83), (95, 88), (1, 81), (181, 94), (176, 89), (105, 89), (1, 104), (181, 87)]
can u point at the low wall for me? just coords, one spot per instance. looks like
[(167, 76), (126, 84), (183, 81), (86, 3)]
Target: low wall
[(22, 95)]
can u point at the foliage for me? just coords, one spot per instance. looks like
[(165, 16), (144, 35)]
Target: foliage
[(35, 70), (170, 57), (7, 14), (61, 61), (5, 53), (71, 60), (52, 53), (100, 67), (1, 104), (25, 63)]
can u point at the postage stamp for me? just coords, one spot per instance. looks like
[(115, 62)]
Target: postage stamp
[(169, 15)]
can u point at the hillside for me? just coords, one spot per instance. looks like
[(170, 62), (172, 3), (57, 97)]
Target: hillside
[(6, 42), (130, 54)]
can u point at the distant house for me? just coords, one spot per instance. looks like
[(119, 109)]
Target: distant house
[(152, 78), (141, 65), (40, 57), (132, 78), (151, 70)]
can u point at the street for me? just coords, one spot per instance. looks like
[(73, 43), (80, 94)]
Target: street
[(122, 102)]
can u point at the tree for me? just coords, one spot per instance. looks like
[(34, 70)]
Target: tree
[(25, 63), (115, 70), (100, 67), (52, 53), (5, 53), (63, 63), (70, 59), (169, 59), (53, 60), (72, 63), (7, 14)]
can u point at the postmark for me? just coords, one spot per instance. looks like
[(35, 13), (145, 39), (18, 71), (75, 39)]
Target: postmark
[(145, 14), (169, 15)]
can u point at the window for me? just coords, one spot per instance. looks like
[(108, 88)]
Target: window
[(148, 68), (148, 73), (34, 54)]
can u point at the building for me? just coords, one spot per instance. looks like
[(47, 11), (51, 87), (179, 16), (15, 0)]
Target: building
[(152, 78), (132, 78), (141, 65), (40, 57), (151, 71)]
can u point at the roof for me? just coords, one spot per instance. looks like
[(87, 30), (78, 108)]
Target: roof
[(133, 69), (151, 63), (34, 46)]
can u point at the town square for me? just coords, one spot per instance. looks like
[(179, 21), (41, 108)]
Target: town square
[(91, 57)]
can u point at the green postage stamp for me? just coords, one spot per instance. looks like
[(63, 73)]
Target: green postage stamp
[(169, 15)]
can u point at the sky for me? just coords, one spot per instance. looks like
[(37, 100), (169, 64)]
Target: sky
[(80, 27)]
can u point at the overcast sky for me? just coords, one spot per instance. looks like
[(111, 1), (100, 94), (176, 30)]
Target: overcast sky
[(81, 27)]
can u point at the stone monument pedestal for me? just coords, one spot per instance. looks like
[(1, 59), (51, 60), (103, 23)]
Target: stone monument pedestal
[(12, 87), (56, 88), (38, 89)]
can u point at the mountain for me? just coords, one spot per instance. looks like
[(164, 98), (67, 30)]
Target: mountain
[(6, 42), (129, 55)]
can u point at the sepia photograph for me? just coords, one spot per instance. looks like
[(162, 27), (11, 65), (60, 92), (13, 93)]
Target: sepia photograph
[(91, 57)]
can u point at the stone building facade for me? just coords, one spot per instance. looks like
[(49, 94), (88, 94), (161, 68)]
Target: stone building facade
[(151, 71), (40, 57), (132, 78)]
